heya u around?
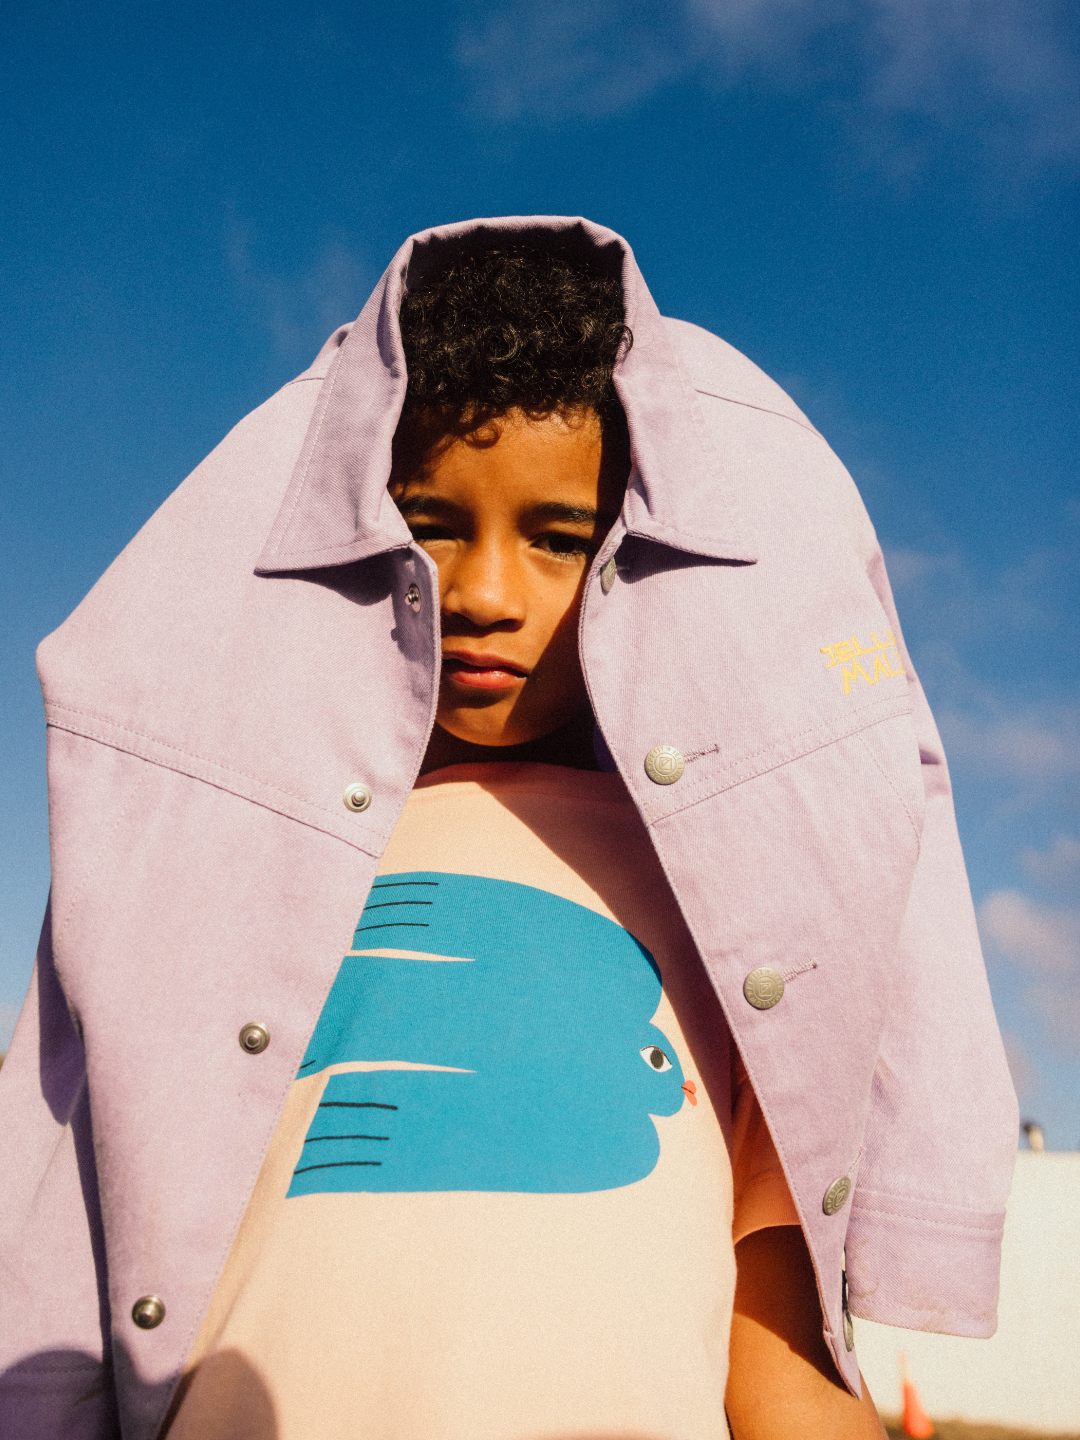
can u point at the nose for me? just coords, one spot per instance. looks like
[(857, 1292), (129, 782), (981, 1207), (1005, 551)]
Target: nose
[(481, 586)]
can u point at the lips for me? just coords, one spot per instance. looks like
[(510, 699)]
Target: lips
[(483, 672)]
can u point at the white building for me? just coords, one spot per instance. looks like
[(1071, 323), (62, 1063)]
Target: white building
[(1028, 1375)]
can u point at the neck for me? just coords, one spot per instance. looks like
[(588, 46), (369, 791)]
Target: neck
[(571, 745)]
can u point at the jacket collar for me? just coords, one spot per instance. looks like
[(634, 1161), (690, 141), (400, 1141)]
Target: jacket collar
[(682, 493)]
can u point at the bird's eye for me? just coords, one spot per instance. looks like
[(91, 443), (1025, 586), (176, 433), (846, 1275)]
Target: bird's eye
[(655, 1058)]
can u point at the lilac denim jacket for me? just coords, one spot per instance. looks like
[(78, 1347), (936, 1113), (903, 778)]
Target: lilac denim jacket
[(251, 654)]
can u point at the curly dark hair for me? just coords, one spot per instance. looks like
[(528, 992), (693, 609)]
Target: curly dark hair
[(516, 325)]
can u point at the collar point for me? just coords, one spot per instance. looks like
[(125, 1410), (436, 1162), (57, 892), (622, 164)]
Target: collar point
[(283, 561)]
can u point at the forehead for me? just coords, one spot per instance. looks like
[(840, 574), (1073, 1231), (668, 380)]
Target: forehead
[(513, 459)]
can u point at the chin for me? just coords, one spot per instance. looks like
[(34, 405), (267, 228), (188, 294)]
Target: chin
[(467, 730)]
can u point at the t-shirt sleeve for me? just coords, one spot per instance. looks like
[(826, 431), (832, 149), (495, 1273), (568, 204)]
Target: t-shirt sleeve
[(761, 1193)]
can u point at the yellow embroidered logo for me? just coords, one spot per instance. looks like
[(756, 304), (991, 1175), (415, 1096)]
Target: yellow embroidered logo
[(851, 650)]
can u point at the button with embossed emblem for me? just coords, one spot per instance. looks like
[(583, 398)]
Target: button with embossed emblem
[(254, 1039), (357, 797), (664, 765), (836, 1195), (148, 1312), (412, 598), (764, 988), (607, 575)]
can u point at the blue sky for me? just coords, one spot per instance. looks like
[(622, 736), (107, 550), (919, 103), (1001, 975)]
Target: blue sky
[(876, 200)]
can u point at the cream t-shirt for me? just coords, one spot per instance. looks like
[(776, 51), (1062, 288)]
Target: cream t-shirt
[(499, 1202)]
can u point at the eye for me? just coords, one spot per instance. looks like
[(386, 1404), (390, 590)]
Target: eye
[(655, 1058), (566, 547), (422, 533)]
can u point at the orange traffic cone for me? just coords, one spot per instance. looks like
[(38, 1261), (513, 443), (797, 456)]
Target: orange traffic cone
[(916, 1421)]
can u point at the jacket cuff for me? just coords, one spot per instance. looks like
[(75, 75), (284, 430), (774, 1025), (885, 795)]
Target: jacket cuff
[(924, 1266)]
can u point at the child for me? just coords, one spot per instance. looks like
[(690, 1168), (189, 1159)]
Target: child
[(547, 637)]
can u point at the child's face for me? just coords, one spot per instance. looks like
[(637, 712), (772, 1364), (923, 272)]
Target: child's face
[(512, 515)]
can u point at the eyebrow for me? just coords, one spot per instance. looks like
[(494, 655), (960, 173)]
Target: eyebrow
[(571, 514), (426, 504)]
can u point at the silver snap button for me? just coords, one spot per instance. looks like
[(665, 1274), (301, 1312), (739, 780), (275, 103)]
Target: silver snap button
[(254, 1039), (607, 575), (357, 797), (664, 765), (148, 1312), (764, 988), (412, 597), (836, 1195)]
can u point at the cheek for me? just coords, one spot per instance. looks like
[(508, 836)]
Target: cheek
[(561, 625), (443, 562)]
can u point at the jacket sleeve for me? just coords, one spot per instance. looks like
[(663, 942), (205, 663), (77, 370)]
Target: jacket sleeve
[(54, 1361), (924, 1240)]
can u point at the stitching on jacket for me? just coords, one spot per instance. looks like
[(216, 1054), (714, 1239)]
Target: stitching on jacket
[(891, 709), (685, 541), (834, 734), (735, 524), (360, 842), (843, 734), (790, 975), (861, 1308), (887, 1203), (190, 754), (693, 755), (861, 738), (311, 452), (989, 1230), (985, 1223), (762, 409), (340, 544), (692, 799)]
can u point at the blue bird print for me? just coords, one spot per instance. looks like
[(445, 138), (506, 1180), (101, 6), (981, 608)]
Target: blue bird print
[(542, 1018)]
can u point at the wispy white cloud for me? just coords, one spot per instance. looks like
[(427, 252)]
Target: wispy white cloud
[(1027, 732), (1041, 944), (1057, 868), (1040, 940), (299, 310), (1037, 745), (911, 568), (1014, 51), (1058, 1006), (1003, 67), (943, 585), (1013, 742), (1024, 1072), (591, 57), (771, 35)]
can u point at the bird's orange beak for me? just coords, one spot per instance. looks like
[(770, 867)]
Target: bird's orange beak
[(691, 1091)]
